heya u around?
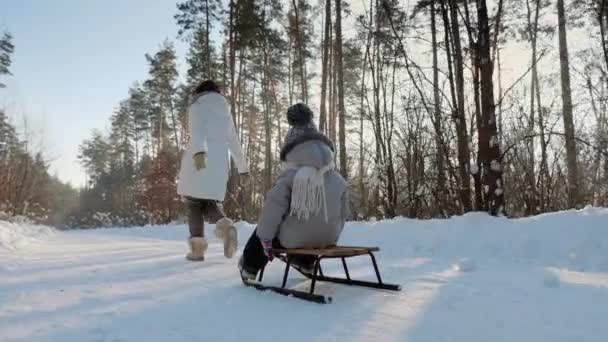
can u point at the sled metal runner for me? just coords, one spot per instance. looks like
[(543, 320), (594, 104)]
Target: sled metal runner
[(336, 252), (290, 293)]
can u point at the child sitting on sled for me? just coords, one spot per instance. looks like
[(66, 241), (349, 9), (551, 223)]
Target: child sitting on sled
[(308, 204)]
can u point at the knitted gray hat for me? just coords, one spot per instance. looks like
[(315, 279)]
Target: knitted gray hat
[(302, 129), (299, 115)]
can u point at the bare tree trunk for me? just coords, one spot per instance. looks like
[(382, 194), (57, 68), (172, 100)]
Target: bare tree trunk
[(341, 110), (490, 150), (363, 204), (596, 186), (543, 167), (362, 175), (375, 69), (531, 193), (290, 72), (224, 65), (208, 53), (604, 143), (464, 154), (496, 54), (390, 166), (603, 21), (325, 69), (480, 203), (232, 59), (232, 181), (573, 195), (267, 125), (300, 44), (500, 95), (437, 116), (331, 112), (540, 183), (333, 103)]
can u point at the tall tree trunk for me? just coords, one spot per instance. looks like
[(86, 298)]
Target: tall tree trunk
[(390, 166), (175, 129), (460, 118), (268, 147), (161, 133), (500, 95), (543, 167), (604, 143), (490, 150), (531, 192), (363, 204), (375, 69), (267, 125), (232, 59), (333, 103), (300, 51), (496, 53), (224, 66), (341, 110), (480, 203), (290, 72), (232, 181), (437, 116), (454, 102), (362, 175), (207, 29), (325, 70), (597, 159), (603, 21), (573, 196)]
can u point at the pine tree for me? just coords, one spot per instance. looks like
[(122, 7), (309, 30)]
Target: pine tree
[(201, 59), (139, 110), (196, 19), (6, 50), (161, 87), (94, 155)]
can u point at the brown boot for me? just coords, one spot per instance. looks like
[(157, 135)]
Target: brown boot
[(198, 247), (226, 231)]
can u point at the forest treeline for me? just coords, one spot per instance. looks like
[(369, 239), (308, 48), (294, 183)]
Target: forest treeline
[(429, 115)]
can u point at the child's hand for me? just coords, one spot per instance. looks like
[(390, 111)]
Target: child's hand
[(200, 160), (267, 245)]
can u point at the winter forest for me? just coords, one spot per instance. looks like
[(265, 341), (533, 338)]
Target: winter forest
[(436, 107)]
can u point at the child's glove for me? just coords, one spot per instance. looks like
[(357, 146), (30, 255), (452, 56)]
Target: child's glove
[(267, 245)]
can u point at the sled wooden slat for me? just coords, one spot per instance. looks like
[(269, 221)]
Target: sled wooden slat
[(335, 251)]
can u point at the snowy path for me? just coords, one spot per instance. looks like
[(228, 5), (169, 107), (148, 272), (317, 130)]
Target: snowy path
[(537, 279)]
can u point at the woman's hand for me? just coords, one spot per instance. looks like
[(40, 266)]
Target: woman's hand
[(200, 160)]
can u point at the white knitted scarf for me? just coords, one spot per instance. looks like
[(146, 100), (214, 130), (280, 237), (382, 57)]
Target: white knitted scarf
[(308, 190)]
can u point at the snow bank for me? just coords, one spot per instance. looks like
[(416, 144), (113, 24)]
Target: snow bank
[(575, 239), (15, 236)]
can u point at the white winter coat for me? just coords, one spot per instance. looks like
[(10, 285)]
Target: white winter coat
[(212, 131)]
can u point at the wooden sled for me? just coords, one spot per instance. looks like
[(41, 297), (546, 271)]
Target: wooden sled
[(336, 252)]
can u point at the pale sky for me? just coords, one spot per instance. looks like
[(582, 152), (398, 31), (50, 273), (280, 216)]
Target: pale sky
[(74, 61)]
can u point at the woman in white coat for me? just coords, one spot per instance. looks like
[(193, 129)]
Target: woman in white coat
[(205, 169)]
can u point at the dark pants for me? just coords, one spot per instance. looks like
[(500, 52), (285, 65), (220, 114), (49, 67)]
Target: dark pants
[(198, 211), (254, 258)]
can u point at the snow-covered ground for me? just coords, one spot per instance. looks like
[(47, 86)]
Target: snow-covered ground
[(470, 278)]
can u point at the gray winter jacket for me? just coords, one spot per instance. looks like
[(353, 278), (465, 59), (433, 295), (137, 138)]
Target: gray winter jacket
[(316, 231)]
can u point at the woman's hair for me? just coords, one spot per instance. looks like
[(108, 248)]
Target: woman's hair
[(207, 86)]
